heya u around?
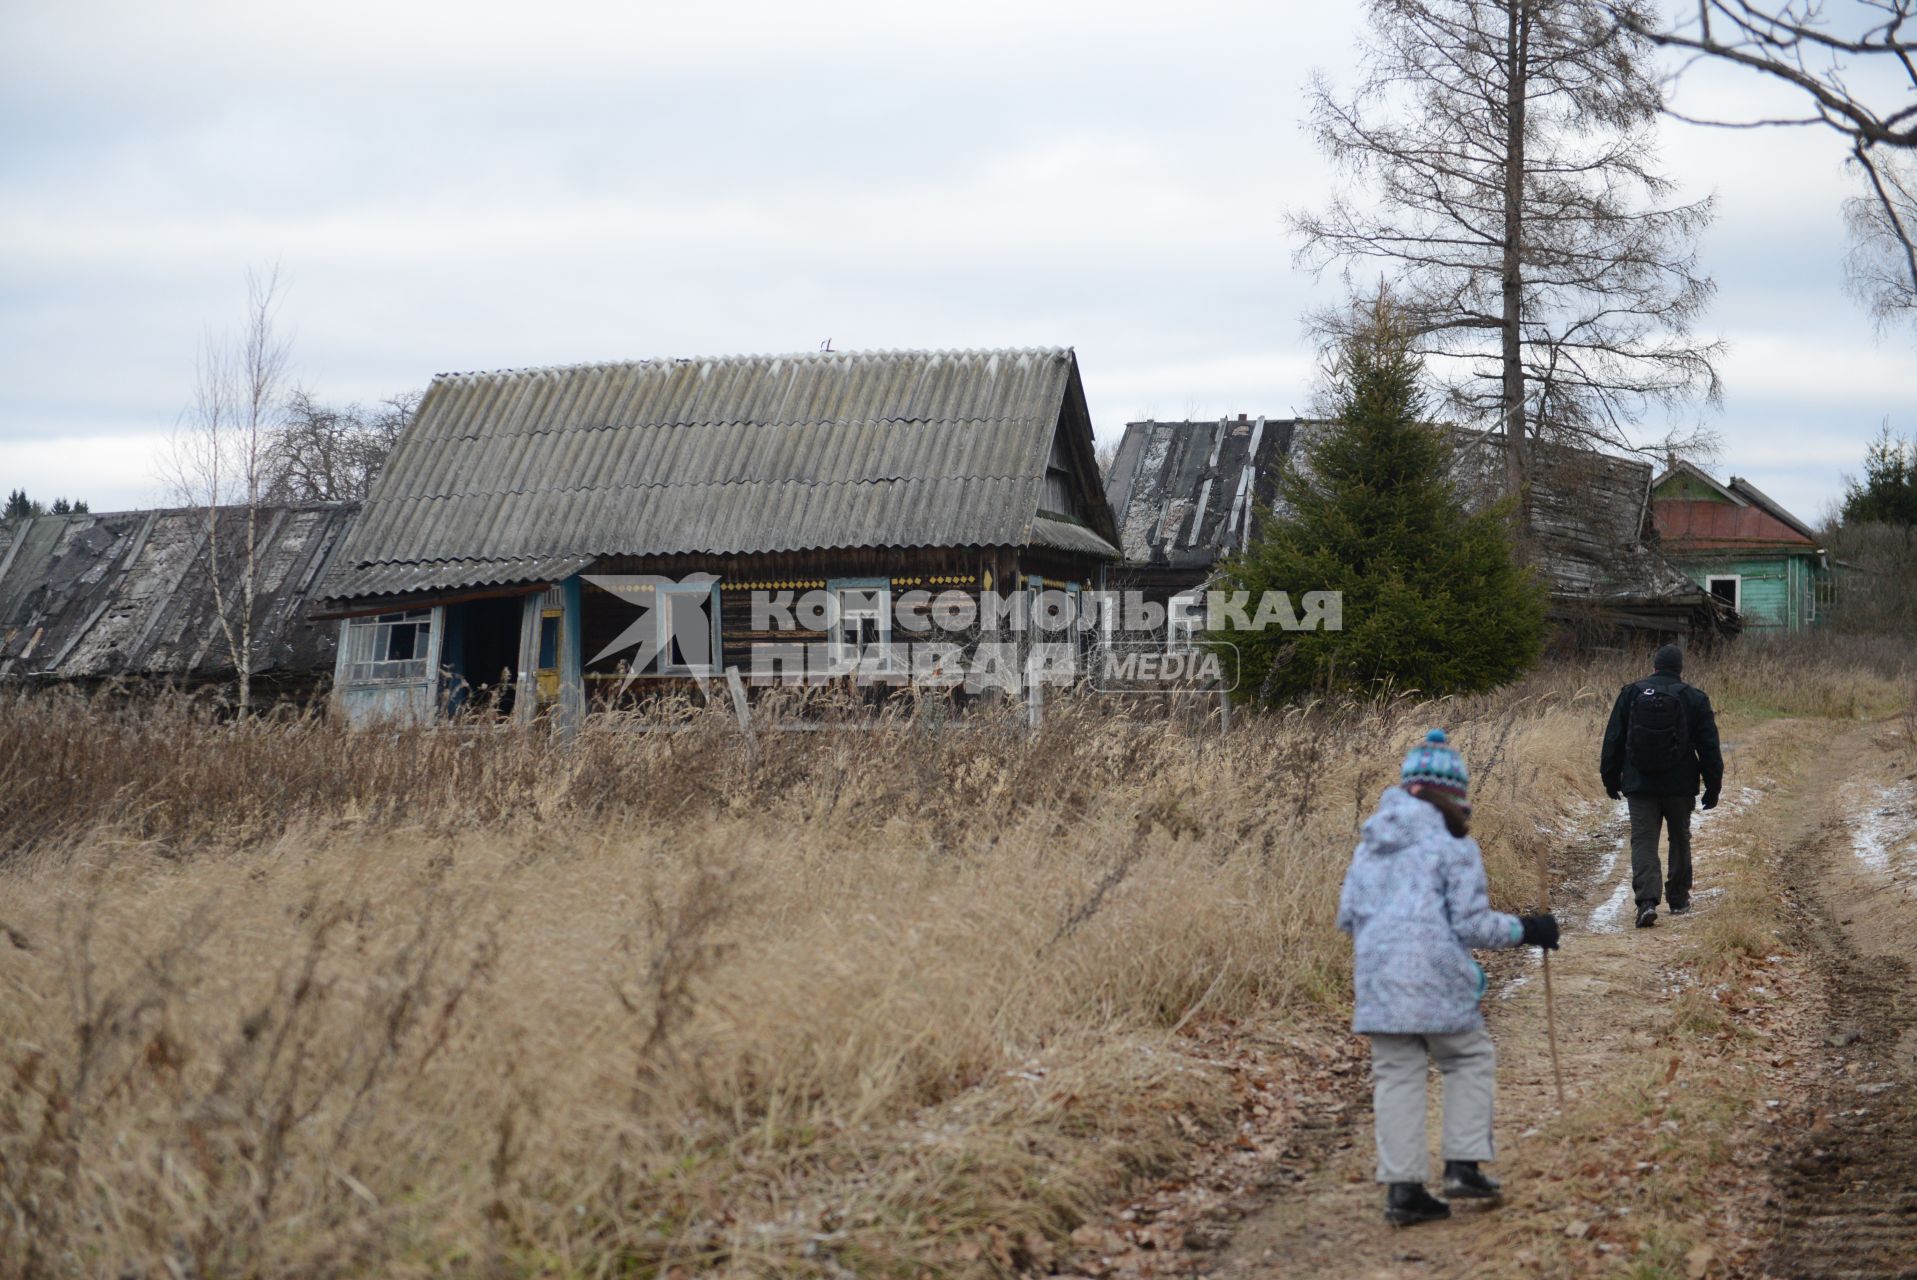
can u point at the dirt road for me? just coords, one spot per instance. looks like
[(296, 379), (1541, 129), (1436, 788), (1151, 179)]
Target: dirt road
[(1740, 1078)]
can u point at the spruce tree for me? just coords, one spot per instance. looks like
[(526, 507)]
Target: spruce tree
[(1888, 492), (1434, 599)]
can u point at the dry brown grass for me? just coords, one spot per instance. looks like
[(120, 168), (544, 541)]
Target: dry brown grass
[(281, 999)]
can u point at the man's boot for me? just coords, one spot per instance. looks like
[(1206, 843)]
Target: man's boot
[(1463, 1180), (1408, 1203)]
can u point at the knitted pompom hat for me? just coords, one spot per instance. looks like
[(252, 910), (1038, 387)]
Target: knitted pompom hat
[(1433, 763)]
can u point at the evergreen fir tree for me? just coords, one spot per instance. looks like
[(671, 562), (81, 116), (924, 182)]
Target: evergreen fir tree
[(1888, 492), (1434, 599), (20, 506)]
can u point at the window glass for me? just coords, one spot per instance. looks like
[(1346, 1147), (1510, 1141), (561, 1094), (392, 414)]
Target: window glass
[(390, 646), (688, 638), (861, 631)]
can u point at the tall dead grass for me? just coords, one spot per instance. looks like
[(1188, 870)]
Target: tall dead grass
[(276, 998)]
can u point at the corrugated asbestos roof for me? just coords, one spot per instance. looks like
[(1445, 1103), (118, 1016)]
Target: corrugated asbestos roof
[(502, 476), (131, 594), (1069, 535)]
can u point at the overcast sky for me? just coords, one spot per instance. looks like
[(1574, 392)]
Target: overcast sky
[(474, 186)]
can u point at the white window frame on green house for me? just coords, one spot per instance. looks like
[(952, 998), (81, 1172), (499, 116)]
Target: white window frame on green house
[(1737, 589), (1823, 592)]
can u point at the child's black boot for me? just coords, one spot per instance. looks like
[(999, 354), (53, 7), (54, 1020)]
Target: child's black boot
[(1463, 1180), (1408, 1203)]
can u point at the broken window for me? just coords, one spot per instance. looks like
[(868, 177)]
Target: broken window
[(1184, 619), (388, 647)]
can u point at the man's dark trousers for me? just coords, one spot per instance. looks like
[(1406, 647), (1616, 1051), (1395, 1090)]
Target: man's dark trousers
[(1648, 815)]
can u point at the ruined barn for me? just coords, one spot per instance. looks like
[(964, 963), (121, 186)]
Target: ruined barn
[(1188, 494), (129, 596), (476, 573)]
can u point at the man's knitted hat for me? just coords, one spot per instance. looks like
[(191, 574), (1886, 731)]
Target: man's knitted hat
[(1669, 658), (1433, 763)]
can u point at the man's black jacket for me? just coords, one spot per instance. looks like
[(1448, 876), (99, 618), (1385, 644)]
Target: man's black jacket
[(1706, 764)]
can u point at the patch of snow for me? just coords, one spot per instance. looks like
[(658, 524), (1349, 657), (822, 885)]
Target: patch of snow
[(1882, 828), (1609, 917), (1510, 988)]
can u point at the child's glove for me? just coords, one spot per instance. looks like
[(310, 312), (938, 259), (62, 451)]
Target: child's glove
[(1540, 931)]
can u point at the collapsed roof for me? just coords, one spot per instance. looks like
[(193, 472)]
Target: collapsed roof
[(130, 594), (1187, 493)]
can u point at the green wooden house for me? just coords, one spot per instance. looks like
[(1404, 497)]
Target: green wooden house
[(1742, 547)]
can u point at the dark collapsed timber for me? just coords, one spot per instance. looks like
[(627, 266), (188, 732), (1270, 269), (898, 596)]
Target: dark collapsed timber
[(1188, 494), (129, 596)]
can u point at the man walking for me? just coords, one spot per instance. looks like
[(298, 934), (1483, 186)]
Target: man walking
[(1660, 746)]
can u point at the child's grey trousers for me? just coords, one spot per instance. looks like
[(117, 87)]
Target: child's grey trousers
[(1398, 1077)]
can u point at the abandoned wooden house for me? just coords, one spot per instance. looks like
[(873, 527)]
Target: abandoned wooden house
[(1744, 548), (129, 597), (476, 573), (1187, 494)]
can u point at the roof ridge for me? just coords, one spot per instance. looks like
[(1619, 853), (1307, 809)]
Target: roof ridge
[(749, 357), (902, 478)]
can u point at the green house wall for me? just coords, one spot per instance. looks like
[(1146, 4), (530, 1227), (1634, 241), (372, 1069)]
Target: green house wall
[(1777, 592)]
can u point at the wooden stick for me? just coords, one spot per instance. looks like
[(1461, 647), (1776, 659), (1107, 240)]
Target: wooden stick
[(1550, 1008)]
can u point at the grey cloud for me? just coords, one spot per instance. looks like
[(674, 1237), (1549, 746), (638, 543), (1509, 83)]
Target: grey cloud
[(467, 187)]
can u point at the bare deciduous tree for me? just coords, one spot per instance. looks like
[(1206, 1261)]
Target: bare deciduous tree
[(1881, 268), (1514, 208), (1856, 65), (221, 460), (323, 453)]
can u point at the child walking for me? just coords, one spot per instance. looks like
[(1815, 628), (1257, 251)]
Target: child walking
[(1415, 904)]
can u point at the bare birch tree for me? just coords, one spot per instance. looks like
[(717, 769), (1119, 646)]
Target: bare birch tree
[(1854, 65), (221, 461), (1881, 268), (1504, 157)]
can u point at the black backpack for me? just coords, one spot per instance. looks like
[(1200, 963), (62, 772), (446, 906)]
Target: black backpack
[(1659, 739)]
